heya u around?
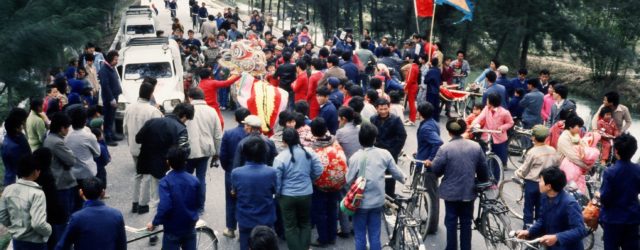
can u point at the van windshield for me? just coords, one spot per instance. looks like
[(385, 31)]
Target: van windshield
[(141, 29), (156, 70)]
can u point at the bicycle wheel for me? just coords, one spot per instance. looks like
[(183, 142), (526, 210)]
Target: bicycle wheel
[(406, 238), (422, 211), (495, 229), (494, 162), (512, 195), (206, 239), (516, 149), (588, 241)]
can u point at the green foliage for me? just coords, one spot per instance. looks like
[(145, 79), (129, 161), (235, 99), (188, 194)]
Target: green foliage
[(34, 35)]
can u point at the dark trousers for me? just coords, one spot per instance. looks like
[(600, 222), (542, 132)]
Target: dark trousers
[(199, 165), (176, 242), (109, 113), (67, 200), (435, 102), (325, 215), (25, 245), (223, 97), (296, 211), (56, 233), (458, 212), (230, 208), (621, 236), (531, 202), (501, 150), (102, 175)]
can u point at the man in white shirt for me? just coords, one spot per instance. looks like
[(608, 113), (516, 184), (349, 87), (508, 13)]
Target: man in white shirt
[(134, 118)]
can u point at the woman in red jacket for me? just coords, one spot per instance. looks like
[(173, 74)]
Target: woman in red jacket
[(411, 88), (210, 88)]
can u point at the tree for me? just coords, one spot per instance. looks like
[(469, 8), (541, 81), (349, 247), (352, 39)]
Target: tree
[(34, 35)]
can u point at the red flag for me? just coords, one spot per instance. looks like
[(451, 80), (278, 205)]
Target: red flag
[(424, 8)]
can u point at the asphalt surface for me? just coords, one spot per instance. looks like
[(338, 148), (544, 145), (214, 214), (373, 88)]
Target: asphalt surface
[(121, 171)]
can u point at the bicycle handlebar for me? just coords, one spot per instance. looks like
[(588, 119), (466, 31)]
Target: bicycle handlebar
[(529, 243)]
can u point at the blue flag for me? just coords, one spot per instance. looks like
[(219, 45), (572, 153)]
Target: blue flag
[(465, 6)]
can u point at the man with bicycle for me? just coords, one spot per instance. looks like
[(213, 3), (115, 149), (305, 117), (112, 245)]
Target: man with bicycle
[(560, 225), (462, 163), (538, 158)]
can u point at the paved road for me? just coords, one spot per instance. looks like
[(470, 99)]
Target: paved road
[(121, 172)]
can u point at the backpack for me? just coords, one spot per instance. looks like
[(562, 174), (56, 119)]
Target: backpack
[(351, 202), (335, 168)]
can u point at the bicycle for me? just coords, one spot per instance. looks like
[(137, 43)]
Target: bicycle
[(405, 235), (493, 161), (425, 206), (525, 244), (205, 236), (519, 144), (491, 220), (511, 193)]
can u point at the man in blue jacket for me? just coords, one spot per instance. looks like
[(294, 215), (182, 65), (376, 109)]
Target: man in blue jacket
[(391, 136), (350, 69), (180, 202), (560, 226), (492, 87), (95, 226), (254, 187), (230, 141), (620, 212), (327, 109), (433, 80), (532, 104), (110, 88)]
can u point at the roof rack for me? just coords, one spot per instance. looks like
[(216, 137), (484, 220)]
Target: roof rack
[(145, 41), (139, 12)]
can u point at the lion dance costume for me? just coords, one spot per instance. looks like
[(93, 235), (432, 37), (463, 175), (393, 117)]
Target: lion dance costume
[(251, 90)]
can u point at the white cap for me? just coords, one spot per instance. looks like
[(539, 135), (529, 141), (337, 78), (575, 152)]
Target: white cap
[(503, 69), (253, 121)]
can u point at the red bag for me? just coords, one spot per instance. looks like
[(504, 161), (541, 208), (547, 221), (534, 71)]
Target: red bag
[(354, 197)]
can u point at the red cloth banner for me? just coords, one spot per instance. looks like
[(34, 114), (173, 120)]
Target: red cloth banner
[(424, 8)]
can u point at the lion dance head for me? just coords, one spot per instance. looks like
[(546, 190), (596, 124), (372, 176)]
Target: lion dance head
[(252, 91)]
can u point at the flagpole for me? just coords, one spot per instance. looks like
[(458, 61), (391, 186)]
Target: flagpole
[(415, 10), (433, 18)]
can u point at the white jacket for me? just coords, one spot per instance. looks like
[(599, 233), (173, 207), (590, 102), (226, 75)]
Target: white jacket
[(134, 118), (205, 131)]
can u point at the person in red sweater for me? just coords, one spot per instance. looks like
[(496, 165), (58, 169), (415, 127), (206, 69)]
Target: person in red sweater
[(411, 88), (300, 86), (314, 107), (210, 88)]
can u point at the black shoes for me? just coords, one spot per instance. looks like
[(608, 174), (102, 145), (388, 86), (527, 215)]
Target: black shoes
[(153, 240), (134, 208), (143, 209), (116, 137), (111, 143)]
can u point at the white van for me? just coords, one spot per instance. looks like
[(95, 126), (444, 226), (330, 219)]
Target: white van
[(139, 21), (151, 57)]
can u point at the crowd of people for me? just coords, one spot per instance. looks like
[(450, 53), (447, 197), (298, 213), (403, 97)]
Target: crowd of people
[(345, 121)]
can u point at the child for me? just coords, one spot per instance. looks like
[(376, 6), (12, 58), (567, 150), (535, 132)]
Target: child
[(514, 104), (540, 157), (179, 203), (105, 157), (396, 108), (477, 108), (23, 208), (607, 127)]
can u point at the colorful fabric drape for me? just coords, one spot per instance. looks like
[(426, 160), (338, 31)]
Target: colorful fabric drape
[(465, 6)]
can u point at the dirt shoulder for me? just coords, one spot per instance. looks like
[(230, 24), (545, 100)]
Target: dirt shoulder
[(579, 81)]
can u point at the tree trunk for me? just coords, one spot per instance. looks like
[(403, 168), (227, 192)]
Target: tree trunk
[(360, 18), (500, 44), (337, 15), (270, 6), (347, 16), (307, 7), (374, 12), (525, 51), (278, 12), (262, 6)]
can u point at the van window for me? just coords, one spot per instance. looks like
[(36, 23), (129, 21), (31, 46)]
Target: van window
[(157, 70), (141, 29)]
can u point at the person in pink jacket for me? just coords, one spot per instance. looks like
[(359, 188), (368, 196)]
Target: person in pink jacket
[(496, 117), (548, 103)]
